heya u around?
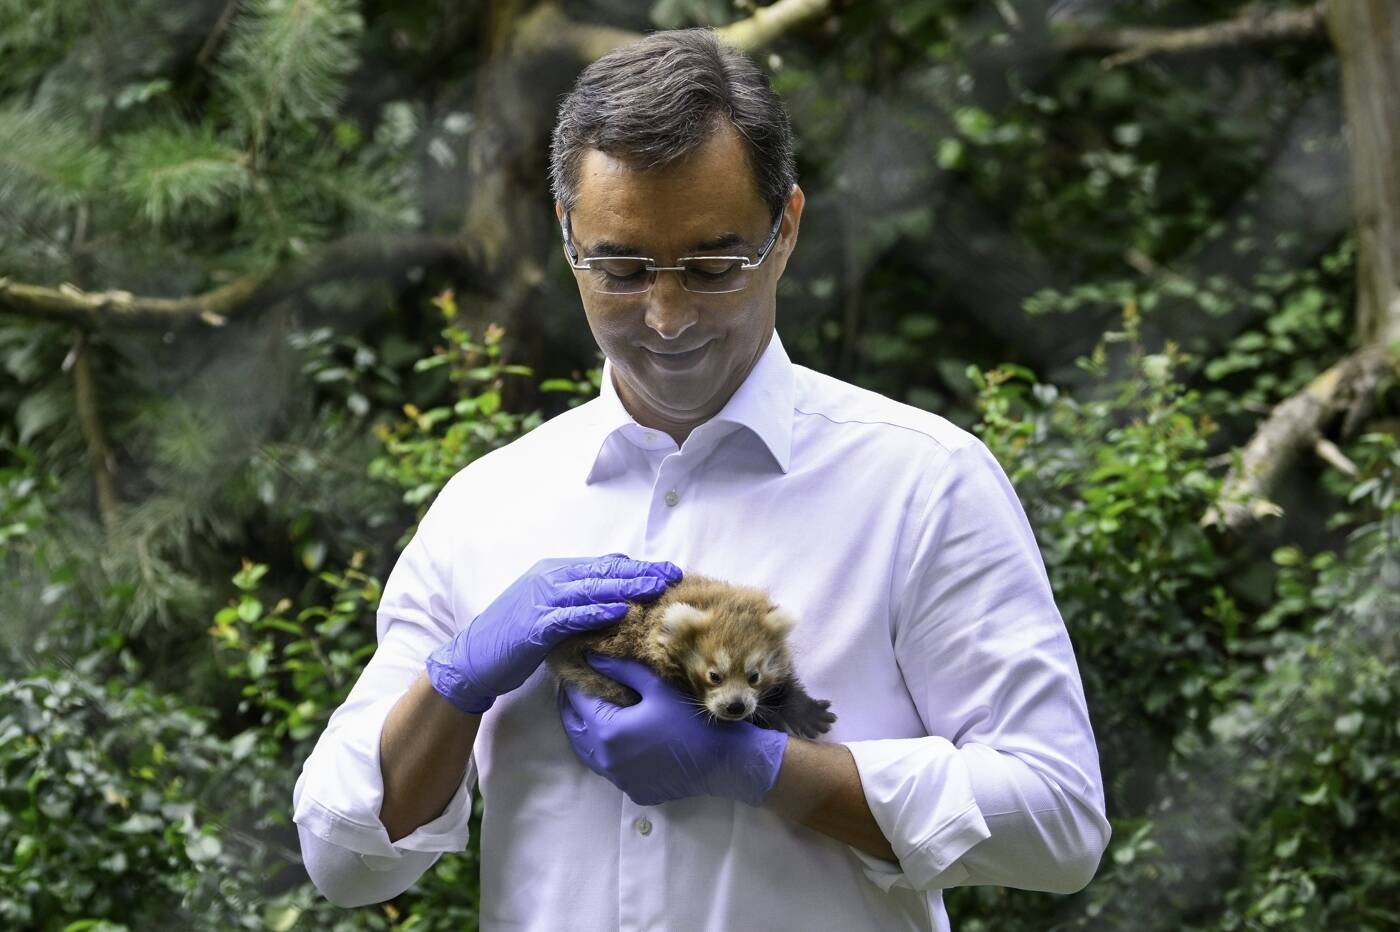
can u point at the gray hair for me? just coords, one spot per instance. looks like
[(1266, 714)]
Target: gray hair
[(652, 101)]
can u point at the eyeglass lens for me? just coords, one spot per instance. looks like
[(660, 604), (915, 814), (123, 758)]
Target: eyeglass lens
[(703, 275)]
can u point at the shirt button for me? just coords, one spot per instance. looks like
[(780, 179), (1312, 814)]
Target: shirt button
[(643, 826), (672, 497)]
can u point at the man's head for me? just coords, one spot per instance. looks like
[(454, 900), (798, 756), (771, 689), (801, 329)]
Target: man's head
[(669, 148)]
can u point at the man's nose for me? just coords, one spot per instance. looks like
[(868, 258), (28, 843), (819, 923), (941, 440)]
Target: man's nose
[(671, 309)]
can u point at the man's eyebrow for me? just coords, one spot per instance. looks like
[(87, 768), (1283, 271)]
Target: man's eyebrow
[(716, 243), (609, 247)]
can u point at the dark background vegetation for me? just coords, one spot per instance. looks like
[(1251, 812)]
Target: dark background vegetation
[(272, 271)]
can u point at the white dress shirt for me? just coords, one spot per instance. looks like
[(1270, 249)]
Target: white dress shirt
[(924, 615)]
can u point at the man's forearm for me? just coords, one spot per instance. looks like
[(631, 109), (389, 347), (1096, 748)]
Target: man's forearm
[(423, 752), (818, 786)]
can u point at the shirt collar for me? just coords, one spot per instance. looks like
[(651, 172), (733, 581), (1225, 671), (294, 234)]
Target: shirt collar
[(763, 404)]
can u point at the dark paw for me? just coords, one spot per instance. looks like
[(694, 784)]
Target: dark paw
[(812, 720)]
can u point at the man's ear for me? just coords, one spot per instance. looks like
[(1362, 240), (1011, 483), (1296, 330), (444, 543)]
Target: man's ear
[(559, 211), (787, 232)]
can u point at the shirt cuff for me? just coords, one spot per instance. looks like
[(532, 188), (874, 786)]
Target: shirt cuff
[(341, 790), (920, 793)]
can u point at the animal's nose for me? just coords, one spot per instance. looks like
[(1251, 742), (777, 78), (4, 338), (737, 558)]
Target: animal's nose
[(735, 708)]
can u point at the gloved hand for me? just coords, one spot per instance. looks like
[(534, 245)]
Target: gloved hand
[(665, 747), (553, 599)]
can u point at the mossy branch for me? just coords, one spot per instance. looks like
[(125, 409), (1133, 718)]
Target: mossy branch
[(1255, 25), (547, 26), (354, 257)]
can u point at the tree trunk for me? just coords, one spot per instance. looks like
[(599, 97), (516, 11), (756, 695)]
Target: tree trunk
[(1366, 34)]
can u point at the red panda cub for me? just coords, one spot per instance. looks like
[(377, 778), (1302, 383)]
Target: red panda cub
[(722, 644)]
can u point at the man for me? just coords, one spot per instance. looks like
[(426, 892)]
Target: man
[(962, 752)]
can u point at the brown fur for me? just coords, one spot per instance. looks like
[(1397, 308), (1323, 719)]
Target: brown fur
[(699, 631)]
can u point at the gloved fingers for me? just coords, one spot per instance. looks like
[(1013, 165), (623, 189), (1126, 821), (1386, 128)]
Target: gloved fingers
[(576, 729), (616, 566), (575, 726), (608, 589), (631, 673), (559, 623)]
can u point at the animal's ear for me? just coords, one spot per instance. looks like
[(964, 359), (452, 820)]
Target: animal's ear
[(679, 618), (779, 620)]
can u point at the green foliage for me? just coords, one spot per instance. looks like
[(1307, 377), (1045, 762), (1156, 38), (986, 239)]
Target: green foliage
[(287, 62), (1316, 731), (1114, 487), (114, 807), (174, 171), (1250, 758), (422, 452), (297, 669)]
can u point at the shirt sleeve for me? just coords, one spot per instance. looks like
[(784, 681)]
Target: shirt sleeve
[(1006, 788), (338, 795)]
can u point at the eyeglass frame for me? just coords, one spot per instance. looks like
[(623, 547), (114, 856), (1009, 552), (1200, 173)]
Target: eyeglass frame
[(580, 265)]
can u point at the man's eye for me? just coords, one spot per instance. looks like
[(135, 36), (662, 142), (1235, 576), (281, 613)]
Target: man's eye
[(620, 270), (712, 268), (713, 678)]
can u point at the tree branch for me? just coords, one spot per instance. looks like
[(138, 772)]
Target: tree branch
[(1254, 25), (770, 22), (548, 27), (353, 257), (1296, 424)]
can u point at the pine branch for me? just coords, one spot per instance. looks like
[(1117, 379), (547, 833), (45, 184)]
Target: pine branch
[(354, 257), (1254, 25), (289, 60), (175, 170), (46, 162)]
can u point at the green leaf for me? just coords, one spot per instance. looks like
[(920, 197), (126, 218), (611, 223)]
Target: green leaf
[(139, 823), (282, 918), (1349, 724), (203, 848), (41, 409), (249, 608)]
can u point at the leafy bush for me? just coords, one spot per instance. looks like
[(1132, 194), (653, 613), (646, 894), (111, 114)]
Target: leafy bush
[(1251, 756), (1316, 733), (121, 804), (1114, 487)]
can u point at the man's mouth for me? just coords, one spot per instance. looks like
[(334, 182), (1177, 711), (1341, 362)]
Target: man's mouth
[(677, 360)]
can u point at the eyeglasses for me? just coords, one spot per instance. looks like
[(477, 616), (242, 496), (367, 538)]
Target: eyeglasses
[(636, 274)]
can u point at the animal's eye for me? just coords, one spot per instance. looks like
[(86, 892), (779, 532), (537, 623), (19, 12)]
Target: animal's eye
[(713, 678), (753, 679)]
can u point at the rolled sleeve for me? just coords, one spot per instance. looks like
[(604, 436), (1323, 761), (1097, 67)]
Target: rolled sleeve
[(920, 793), (347, 792), (339, 794), (1007, 789)]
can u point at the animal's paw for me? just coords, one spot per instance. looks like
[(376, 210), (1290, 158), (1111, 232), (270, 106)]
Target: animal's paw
[(810, 719)]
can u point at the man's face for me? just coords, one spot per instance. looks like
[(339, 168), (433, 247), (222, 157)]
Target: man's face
[(679, 355)]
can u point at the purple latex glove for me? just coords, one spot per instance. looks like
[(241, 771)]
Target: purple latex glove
[(552, 600), (664, 747)]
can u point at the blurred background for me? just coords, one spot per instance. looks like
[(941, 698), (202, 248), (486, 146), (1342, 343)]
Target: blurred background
[(271, 271)]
